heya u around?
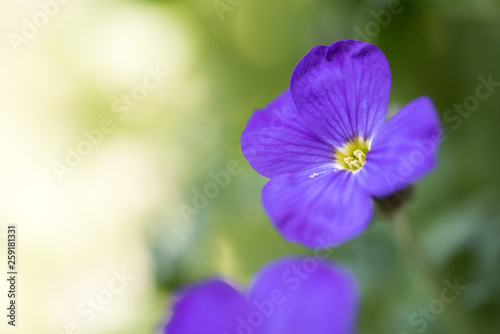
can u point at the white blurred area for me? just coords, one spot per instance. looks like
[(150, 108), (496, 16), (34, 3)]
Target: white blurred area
[(73, 234)]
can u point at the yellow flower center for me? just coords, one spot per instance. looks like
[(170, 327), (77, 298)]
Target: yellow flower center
[(352, 155)]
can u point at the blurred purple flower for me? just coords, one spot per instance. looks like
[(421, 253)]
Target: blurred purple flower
[(290, 295), (327, 150)]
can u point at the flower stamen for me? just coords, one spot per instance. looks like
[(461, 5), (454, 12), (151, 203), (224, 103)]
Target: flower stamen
[(360, 156), (352, 156)]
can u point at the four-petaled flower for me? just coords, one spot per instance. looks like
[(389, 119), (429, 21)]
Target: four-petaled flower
[(327, 149), (290, 295)]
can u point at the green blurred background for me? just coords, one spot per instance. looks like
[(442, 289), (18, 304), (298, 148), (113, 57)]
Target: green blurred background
[(120, 207)]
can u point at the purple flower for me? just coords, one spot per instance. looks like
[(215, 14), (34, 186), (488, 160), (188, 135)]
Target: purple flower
[(327, 149), (290, 295)]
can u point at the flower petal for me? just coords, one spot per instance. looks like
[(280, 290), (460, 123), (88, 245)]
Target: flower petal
[(305, 295), (404, 150), (212, 307), (342, 90), (317, 208), (277, 141)]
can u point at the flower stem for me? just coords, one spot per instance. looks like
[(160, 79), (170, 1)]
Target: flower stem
[(424, 278)]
